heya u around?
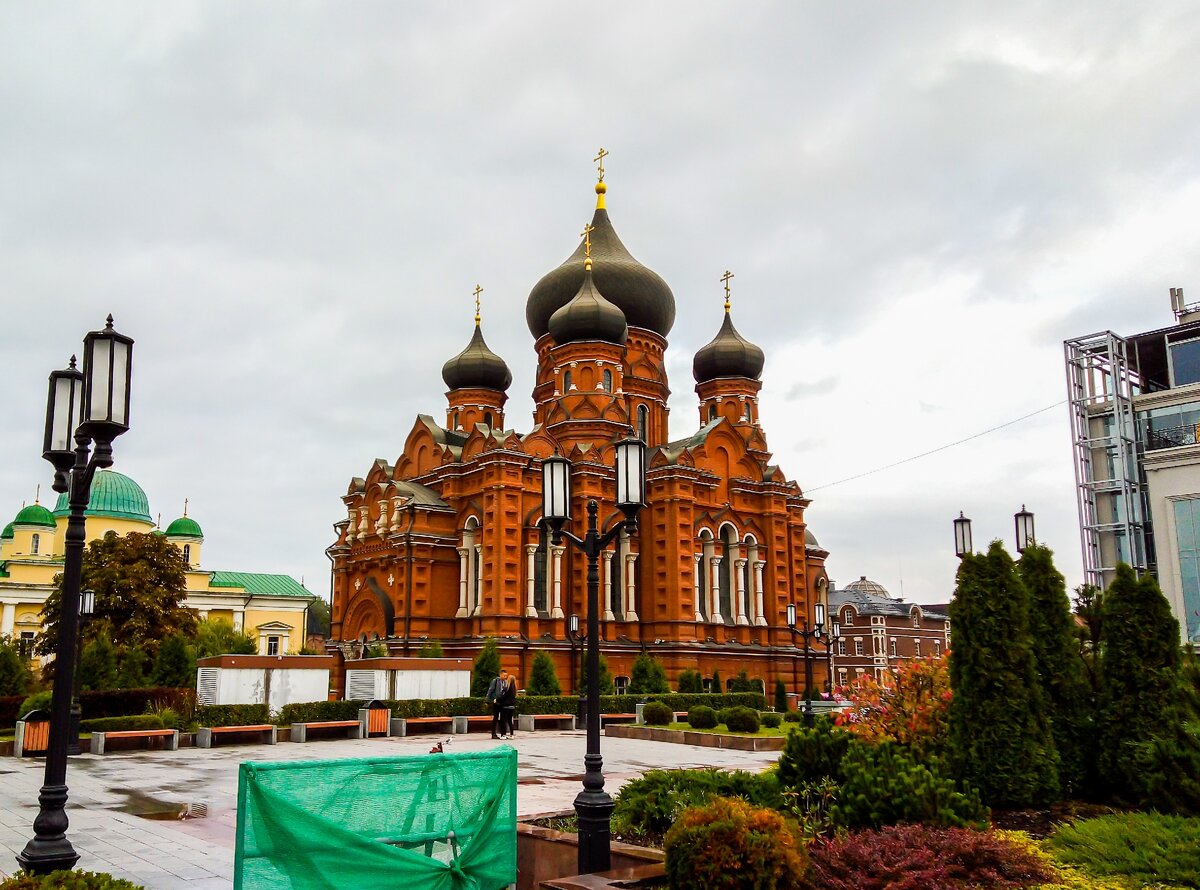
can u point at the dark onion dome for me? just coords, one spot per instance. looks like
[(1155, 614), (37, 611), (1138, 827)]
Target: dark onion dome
[(638, 292), (588, 317), (477, 367), (728, 355)]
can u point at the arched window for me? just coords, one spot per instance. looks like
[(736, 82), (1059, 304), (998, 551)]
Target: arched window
[(643, 422), (187, 554), (705, 570), (566, 382), (472, 540), (728, 550), (608, 380), (616, 577), (455, 421), (541, 571), (36, 544), (712, 411), (746, 414), (487, 419)]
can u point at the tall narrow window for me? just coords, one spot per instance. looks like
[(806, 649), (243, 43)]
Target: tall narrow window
[(36, 544), (566, 381), (746, 413), (728, 543), (540, 573), (187, 554), (616, 577), (456, 423), (643, 422), (608, 380), (487, 419), (917, 648), (705, 571), (712, 411)]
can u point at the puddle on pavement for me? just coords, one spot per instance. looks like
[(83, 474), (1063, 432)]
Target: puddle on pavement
[(146, 806)]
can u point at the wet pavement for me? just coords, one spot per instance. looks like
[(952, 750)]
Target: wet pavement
[(136, 815)]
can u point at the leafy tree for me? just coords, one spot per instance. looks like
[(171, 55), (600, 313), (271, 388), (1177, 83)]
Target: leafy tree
[(98, 664), (216, 636), (690, 681), (14, 675), (431, 649), (910, 706), (542, 678), (1000, 739), (647, 676), (1143, 741), (175, 664), (605, 682), (1059, 666), (140, 588), (485, 669), (131, 668), (781, 696), (318, 613)]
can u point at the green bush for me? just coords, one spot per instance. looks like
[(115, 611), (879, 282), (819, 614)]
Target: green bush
[(98, 664), (883, 784), (655, 713), (485, 669), (741, 720), (316, 711), (122, 702), (702, 717), (121, 724), (175, 663), (723, 715), (542, 678), (431, 649), (14, 675), (729, 844), (39, 701), (652, 803), (771, 721), (793, 717), (1148, 847), (648, 676), (232, 715), (67, 880), (781, 697), (810, 755), (690, 681)]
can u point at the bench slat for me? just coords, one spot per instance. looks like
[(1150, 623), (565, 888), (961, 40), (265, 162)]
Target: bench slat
[(137, 733)]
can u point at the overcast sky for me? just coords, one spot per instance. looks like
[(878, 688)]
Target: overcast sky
[(287, 205)]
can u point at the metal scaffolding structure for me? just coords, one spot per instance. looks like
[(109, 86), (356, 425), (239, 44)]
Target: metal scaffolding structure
[(1109, 488)]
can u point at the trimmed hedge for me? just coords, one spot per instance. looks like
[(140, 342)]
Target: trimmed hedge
[(569, 704), (120, 724), (123, 702), (315, 711), (232, 715), (9, 707)]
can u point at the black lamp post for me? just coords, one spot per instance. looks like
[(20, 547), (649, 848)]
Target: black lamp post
[(821, 635), (87, 605), (962, 536), (1024, 523), (573, 637), (87, 407), (593, 804)]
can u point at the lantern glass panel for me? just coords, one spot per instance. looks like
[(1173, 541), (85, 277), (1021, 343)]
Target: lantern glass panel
[(791, 615), (120, 383), (631, 474), (66, 397), (962, 535), (99, 366), (819, 614), (556, 488)]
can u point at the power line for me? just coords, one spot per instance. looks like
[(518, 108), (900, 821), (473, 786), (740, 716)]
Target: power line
[(936, 450)]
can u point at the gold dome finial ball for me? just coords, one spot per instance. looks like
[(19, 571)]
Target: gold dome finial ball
[(601, 188)]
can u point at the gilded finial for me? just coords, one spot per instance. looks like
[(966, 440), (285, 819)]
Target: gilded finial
[(587, 246), (725, 278), (601, 188), (478, 291)]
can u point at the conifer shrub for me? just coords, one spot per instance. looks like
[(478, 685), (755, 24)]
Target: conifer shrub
[(810, 755), (485, 669), (690, 681), (771, 721), (175, 663), (655, 713), (920, 857), (67, 880), (98, 664), (883, 784), (702, 717), (730, 844), (781, 697), (648, 676), (432, 649), (716, 683), (542, 678)]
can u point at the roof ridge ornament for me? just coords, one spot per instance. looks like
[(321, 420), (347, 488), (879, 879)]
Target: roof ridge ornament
[(601, 188), (478, 290), (725, 278)]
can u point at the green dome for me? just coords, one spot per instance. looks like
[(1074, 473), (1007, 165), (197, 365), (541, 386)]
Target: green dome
[(7, 534), (184, 527), (35, 514), (114, 495)]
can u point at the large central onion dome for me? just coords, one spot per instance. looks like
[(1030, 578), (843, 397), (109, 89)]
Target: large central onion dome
[(477, 367), (728, 355), (638, 292)]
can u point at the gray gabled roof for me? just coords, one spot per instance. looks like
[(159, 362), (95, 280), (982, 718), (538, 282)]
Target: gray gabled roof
[(874, 604)]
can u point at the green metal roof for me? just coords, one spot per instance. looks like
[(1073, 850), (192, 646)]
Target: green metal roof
[(8, 534), (114, 495), (257, 583), (35, 514), (184, 527)]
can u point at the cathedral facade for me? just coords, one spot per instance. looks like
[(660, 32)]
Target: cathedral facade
[(447, 543)]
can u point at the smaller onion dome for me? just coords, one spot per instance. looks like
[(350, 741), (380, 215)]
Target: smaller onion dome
[(728, 355), (35, 514), (589, 316), (8, 534), (184, 527), (477, 367), (863, 585)]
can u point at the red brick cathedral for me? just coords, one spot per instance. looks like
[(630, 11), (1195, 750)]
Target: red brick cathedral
[(448, 544)]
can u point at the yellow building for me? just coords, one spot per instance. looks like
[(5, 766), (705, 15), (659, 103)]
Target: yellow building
[(271, 608)]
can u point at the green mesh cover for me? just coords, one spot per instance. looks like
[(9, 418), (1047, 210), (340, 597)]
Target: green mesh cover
[(437, 821)]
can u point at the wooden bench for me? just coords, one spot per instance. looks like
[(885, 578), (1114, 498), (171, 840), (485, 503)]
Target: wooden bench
[(204, 735), (169, 736), (400, 725), (529, 722), (478, 722), (617, 718), (300, 730)]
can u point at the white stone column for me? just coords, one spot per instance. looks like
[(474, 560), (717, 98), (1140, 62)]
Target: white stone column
[(714, 563), (364, 522), (464, 578), (381, 524), (760, 618), (739, 588), (9, 619), (352, 528), (699, 588), (609, 612), (396, 504), (630, 575), (531, 581), (477, 589), (556, 565), (239, 620)]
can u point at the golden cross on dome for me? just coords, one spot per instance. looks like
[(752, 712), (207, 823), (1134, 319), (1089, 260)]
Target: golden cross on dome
[(599, 159), (725, 278), (185, 503), (587, 245), (37, 497), (478, 290)]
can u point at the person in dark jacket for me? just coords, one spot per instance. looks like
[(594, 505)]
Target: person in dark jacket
[(508, 707), (495, 690)]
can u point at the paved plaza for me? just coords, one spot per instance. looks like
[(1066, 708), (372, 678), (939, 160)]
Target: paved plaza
[(124, 807)]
